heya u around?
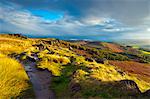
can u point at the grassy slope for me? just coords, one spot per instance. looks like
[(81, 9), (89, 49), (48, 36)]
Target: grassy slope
[(68, 68), (9, 44), (145, 52), (113, 47), (83, 72), (13, 79)]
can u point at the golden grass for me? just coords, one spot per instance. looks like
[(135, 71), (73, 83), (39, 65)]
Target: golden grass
[(62, 51), (51, 66), (13, 78), (101, 72), (14, 45), (107, 73), (145, 52), (53, 63)]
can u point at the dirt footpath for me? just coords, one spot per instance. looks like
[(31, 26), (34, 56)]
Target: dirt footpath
[(41, 80)]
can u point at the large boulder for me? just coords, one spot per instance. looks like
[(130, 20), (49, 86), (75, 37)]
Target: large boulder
[(127, 87)]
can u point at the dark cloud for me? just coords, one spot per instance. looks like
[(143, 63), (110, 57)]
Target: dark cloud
[(131, 12)]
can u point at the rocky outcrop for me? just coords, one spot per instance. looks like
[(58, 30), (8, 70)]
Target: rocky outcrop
[(127, 87), (146, 93), (18, 36), (89, 59), (100, 60), (40, 47)]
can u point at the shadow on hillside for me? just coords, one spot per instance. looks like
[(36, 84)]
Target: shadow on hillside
[(115, 89)]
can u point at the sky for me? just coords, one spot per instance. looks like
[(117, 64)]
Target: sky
[(77, 19)]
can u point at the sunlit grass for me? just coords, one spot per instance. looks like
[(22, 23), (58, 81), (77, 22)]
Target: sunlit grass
[(62, 62), (13, 79), (62, 51), (108, 73), (135, 46), (53, 63), (13, 45), (94, 70), (145, 52)]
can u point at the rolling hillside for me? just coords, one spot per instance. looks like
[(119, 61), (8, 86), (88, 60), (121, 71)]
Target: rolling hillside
[(74, 69)]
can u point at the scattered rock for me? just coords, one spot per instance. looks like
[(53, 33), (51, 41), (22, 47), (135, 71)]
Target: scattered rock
[(128, 87), (70, 48), (30, 58), (89, 59), (14, 55), (121, 72), (75, 87), (100, 60), (50, 52), (34, 55), (40, 47), (55, 61)]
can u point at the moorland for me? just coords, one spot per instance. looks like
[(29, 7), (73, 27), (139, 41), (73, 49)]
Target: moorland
[(49, 67)]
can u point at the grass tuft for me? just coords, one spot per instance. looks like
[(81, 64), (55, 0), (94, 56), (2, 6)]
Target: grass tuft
[(13, 79)]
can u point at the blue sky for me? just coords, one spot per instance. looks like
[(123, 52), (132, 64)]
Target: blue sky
[(85, 19), (47, 15)]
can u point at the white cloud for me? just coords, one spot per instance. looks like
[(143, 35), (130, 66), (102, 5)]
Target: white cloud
[(18, 20), (92, 20), (22, 19), (148, 29), (112, 30)]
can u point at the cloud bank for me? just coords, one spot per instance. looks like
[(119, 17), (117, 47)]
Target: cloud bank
[(110, 19)]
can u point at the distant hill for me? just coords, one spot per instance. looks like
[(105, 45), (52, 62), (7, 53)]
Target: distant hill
[(143, 43)]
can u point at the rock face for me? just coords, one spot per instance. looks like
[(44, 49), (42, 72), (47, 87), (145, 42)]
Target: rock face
[(53, 42), (128, 87)]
